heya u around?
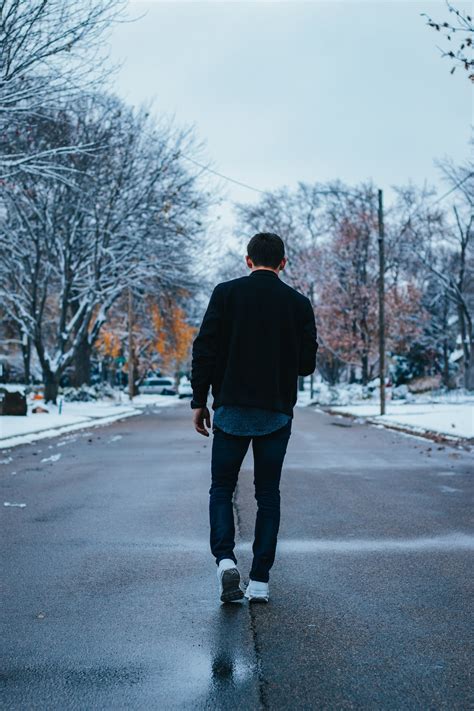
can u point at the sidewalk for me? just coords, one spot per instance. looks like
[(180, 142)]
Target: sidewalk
[(74, 416)]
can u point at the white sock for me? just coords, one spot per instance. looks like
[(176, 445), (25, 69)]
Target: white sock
[(226, 564)]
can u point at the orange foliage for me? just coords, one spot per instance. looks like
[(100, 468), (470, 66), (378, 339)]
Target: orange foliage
[(109, 343), (173, 335), (162, 336)]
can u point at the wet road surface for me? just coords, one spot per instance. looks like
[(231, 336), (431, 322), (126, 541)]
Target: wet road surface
[(110, 597)]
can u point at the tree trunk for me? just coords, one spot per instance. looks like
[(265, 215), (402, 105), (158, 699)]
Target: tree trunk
[(26, 353), (445, 375), (469, 368), (51, 386), (465, 348), (445, 362), (470, 377), (365, 368), (135, 378), (82, 364)]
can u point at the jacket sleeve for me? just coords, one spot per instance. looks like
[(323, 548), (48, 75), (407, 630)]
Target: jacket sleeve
[(204, 352), (309, 343)]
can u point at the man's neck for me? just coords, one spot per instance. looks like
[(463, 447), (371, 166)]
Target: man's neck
[(267, 269)]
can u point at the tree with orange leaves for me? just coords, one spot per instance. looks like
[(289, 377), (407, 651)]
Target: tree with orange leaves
[(162, 336), (173, 335)]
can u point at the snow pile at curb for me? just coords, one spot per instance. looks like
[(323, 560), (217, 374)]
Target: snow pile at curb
[(447, 413), (73, 416), (445, 418)]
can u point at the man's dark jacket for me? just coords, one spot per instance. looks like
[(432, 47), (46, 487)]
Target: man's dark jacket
[(257, 335)]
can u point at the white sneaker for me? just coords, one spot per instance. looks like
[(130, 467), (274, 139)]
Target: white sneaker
[(228, 577), (257, 591)]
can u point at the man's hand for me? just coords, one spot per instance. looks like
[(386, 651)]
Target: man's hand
[(201, 415)]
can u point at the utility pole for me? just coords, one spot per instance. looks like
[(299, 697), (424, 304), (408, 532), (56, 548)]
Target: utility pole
[(131, 384), (381, 292), (311, 394)]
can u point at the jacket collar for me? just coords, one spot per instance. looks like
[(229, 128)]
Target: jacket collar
[(264, 271)]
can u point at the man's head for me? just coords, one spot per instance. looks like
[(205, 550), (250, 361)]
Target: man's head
[(266, 251)]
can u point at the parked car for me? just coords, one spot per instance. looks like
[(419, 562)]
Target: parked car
[(158, 386), (184, 388)]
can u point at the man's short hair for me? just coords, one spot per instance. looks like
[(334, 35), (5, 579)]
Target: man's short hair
[(266, 249)]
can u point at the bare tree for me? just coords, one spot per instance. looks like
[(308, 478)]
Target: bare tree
[(439, 242), (297, 216), (330, 231), (69, 250), (460, 28), (50, 50)]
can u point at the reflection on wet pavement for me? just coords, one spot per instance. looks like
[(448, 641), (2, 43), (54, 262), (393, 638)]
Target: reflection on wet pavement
[(232, 661)]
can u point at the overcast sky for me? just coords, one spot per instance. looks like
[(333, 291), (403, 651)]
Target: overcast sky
[(288, 91)]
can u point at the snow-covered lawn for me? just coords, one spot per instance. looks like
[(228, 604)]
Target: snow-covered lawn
[(73, 416), (448, 413), (445, 418)]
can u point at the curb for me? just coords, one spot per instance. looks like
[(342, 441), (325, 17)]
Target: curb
[(29, 437), (434, 436)]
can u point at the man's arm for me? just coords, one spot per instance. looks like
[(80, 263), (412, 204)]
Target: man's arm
[(309, 343), (205, 348)]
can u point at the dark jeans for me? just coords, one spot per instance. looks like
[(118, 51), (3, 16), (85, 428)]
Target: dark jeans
[(228, 452)]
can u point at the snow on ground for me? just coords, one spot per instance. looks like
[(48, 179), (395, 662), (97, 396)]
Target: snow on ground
[(12, 387), (449, 413), (73, 416), (445, 418)]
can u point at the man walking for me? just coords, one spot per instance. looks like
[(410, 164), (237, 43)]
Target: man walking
[(257, 335)]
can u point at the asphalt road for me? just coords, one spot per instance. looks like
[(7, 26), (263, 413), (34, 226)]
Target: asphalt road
[(110, 597)]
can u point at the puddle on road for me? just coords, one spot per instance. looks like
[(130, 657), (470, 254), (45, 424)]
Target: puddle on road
[(228, 664), (60, 676), (185, 672)]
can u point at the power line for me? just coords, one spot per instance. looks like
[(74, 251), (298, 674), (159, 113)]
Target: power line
[(225, 177), (435, 202), (264, 192), (455, 187)]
